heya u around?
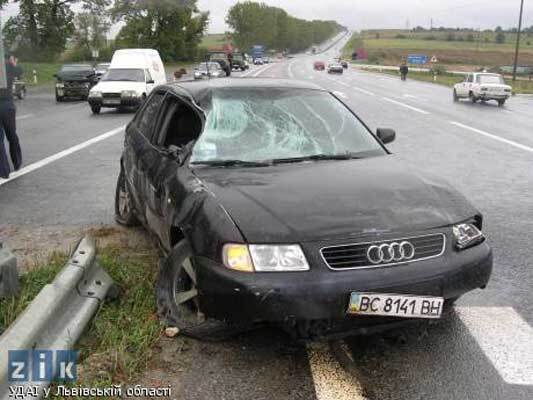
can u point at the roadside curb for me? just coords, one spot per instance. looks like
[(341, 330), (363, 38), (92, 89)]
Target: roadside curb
[(9, 281), (57, 316)]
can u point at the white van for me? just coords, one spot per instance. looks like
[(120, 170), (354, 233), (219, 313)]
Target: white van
[(132, 75)]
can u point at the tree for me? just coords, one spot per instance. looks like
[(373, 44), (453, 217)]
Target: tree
[(500, 37), (174, 27), (42, 27)]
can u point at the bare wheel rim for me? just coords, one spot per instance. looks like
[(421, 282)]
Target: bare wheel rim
[(185, 293), (123, 201)]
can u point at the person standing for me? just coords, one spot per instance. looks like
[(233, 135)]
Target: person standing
[(404, 69), (8, 125)]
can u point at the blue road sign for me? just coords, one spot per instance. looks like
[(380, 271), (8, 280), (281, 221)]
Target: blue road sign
[(417, 59)]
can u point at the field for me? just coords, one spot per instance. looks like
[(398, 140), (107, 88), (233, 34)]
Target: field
[(460, 50), (45, 72), (213, 40)]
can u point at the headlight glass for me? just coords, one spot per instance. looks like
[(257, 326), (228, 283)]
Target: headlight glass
[(237, 257), (271, 258), (95, 93), (467, 235), (264, 258), (60, 85), (129, 93)]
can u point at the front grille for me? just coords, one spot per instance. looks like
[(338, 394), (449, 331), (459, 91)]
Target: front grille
[(352, 256), (111, 95), (75, 85)]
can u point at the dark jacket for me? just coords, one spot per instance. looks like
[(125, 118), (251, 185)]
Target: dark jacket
[(12, 72)]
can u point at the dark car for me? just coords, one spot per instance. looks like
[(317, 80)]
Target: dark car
[(74, 80), (275, 203), (224, 59), (239, 61), (100, 69)]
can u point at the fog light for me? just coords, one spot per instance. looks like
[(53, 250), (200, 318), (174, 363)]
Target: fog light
[(237, 257)]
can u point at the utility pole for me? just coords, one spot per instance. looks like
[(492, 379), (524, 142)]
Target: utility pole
[(518, 39)]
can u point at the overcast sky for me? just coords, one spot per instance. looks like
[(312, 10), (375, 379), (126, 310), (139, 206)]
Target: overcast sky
[(364, 14)]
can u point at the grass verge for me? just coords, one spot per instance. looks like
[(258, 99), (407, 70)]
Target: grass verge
[(117, 344), (45, 72)]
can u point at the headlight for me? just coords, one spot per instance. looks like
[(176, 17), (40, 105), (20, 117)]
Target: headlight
[(508, 90), (265, 258), (467, 235), (95, 93), (129, 93), (60, 85), (484, 89)]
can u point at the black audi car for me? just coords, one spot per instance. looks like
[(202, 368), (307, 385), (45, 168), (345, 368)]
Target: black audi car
[(274, 203), (74, 81)]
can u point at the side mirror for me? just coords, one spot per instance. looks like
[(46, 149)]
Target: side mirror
[(151, 81), (386, 135)]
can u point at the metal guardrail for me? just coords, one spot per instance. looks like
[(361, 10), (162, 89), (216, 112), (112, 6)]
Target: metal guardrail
[(8, 272), (56, 318)]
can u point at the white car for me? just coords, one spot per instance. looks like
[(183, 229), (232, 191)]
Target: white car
[(208, 70), (482, 86)]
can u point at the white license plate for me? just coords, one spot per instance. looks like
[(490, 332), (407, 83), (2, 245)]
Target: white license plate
[(395, 305), (112, 101)]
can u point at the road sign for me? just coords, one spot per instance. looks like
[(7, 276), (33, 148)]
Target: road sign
[(434, 59), (95, 53), (417, 59)]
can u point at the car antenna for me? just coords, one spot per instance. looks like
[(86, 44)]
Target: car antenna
[(207, 67)]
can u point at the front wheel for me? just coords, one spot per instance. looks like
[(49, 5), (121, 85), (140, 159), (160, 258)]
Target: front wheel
[(96, 109), (59, 99), (473, 98), (501, 103), (21, 94), (455, 97), (177, 298), (124, 211)]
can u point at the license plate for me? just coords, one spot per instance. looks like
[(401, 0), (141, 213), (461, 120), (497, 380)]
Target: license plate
[(395, 305), (112, 101)]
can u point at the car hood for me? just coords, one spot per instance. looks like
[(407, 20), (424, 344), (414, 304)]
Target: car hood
[(333, 199), (119, 86), (75, 76)]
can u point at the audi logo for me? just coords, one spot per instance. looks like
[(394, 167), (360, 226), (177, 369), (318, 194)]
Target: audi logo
[(390, 252)]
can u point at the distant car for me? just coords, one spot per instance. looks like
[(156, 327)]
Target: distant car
[(258, 61), (319, 66), (223, 60), (335, 69), (208, 70), (101, 69), (344, 64), (19, 89), (266, 60), (74, 80), (482, 86)]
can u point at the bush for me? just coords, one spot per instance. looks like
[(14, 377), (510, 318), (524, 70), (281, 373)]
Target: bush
[(450, 37), (470, 37), (400, 36), (438, 69), (500, 38), (430, 37)]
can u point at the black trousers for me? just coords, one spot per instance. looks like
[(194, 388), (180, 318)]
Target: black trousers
[(8, 127)]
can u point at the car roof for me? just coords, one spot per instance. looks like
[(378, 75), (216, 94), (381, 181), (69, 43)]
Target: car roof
[(199, 89)]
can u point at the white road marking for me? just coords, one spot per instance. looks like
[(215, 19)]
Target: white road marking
[(289, 69), (340, 94), (254, 70), (39, 164), (495, 137), (418, 110), (409, 96), (505, 338), (268, 66), (331, 381), (21, 117), (368, 92)]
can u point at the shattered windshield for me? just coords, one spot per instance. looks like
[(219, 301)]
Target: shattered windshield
[(254, 124)]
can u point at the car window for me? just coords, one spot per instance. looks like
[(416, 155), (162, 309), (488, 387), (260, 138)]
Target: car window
[(179, 124), (256, 124), (470, 78), (489, 79), (148, 76), (146, 119)]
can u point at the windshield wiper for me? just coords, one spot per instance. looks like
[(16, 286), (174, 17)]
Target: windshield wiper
[(315, 157), (232, 163)]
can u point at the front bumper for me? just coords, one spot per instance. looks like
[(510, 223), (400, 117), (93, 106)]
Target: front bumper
[(81, 91), (115, 102), (323, 294)]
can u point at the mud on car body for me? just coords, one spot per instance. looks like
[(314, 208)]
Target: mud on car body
[(275, 203)]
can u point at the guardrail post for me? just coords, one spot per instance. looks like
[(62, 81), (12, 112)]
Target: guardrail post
[(9, 279)]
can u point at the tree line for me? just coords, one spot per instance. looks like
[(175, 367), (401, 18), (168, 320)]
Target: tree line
[(256, 23), (44, 29)]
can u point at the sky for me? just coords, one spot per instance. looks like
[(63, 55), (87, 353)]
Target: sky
[(366, 14)]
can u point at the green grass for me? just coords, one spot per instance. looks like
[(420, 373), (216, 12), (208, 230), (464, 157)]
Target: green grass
[(213, 40), (45, 72), (117, 344), (519, 86)]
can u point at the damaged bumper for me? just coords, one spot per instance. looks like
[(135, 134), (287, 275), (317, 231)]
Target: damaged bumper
[(323, 294), (115, 102)]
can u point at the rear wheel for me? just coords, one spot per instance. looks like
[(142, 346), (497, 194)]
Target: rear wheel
[(473, 98), (124, 211), (177, 298)]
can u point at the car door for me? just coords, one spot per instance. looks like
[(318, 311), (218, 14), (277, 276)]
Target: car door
[(461, 87), (149, 81), (140, 155), (179, 124)]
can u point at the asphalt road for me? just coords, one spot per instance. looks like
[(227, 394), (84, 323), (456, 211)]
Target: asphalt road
[(484, 351)]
